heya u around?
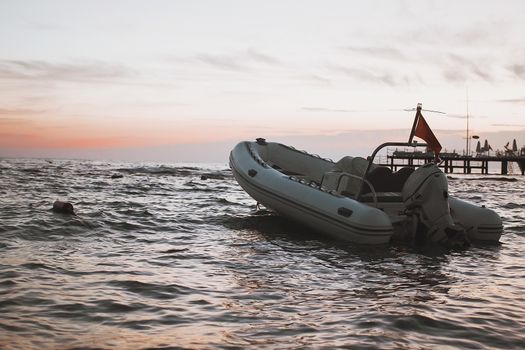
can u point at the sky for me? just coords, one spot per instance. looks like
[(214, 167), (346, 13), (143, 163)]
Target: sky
[(184, 81)]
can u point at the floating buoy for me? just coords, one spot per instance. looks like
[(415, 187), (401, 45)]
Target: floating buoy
[(117, 176), (63, 207)]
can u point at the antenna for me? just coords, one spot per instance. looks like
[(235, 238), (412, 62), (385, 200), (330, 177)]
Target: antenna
[(468, 139)]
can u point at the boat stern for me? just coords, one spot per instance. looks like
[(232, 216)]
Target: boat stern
[(480, 223)]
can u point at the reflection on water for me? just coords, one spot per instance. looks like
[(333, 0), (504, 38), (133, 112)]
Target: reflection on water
[(176, 257)]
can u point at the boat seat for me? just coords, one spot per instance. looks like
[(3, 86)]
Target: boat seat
[(352, 165), (381, 178), (384, 180), (401, 176), (345, 175), (341, 182)]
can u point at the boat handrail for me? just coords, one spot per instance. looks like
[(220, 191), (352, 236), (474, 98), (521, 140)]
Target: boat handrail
[(363, 180), (370, 159), (255, 155)]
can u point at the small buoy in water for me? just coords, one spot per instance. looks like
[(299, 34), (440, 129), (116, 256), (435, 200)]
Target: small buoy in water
[(63, 207), (116, 176), (204, 177)]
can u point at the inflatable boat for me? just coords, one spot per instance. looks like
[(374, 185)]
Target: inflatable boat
[(358, 201)]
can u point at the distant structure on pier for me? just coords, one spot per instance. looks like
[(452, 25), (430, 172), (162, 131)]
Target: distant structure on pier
[(463, 163)]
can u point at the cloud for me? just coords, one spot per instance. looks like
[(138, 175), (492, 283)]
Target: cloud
[(313, 80), (457, 54), (238, 62), (460, 68), (365, 75), (257, 56), (448, 55), (20, 111), (518, 70), (463, 116), (222, 62), (513, 100), (77, 71), (330, 110), (13, 121), (512, 125), (17, 116), (319, 80), (480, 34), (483, 33), (378, 52)]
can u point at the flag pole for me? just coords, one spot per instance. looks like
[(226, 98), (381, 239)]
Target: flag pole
[(416, 118)]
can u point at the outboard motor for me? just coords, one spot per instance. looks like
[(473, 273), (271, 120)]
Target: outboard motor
[(425, 195)]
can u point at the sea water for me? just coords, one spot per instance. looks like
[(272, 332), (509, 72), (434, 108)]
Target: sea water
[(174, 256)]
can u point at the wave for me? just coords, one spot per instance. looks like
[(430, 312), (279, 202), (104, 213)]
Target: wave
[(485, 178), (152, 290), (512, 205), (183, 245), (160, 170), (182, 171)]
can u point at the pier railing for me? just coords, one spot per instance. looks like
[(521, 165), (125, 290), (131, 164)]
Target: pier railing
[(453, 162)]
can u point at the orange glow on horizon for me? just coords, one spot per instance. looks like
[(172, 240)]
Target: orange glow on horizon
[(43, 132)]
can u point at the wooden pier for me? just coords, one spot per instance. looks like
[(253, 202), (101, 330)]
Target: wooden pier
[(455, 163)]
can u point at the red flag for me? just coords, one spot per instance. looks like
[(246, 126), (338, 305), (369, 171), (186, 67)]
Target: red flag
[(424, 132)]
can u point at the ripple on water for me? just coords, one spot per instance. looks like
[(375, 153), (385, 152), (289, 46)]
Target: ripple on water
[(152, 290), (175, 256)]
